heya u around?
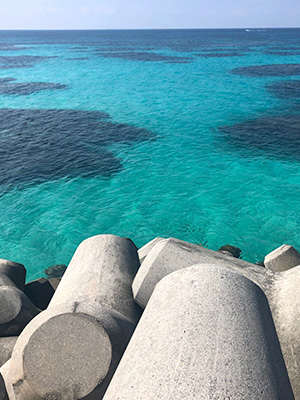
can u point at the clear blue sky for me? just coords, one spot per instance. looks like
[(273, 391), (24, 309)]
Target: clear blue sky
[(129, 14)]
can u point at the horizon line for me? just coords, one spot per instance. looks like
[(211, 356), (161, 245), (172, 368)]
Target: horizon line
[(145, 29)]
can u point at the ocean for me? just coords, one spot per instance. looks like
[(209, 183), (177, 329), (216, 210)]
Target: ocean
[(193, 134)]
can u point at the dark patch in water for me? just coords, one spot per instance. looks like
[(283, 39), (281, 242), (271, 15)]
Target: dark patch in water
[(79, 47), (223, 50), (268, 70), (205, 47), (81, 50), (7, 62), (178, 62), (26, 88), (220, 55), (285, 48), (87, 50), (120, 48), (285, 89), (218, 49), (42, 145), (277, 136), (115, 48), (6, 80), (78, 58), (144, 56), (283, 53)]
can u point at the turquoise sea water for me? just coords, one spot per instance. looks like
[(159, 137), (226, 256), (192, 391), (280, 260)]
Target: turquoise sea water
[(148, 133)]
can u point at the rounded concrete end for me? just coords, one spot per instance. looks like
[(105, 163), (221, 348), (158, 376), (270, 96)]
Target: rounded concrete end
[(14, 271), (66, 357), (10, 304)]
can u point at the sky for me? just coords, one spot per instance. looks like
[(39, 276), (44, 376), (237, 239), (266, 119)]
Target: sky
[(148, 14)]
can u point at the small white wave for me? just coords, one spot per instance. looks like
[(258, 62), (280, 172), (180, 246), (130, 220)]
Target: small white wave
[(256, 30)]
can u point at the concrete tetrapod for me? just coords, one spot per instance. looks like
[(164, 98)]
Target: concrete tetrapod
[(169, 255), (101, 271), (285, 304), (71, 350), (6, 347), (206, 333), (40, 292), (16, 310), (143, 251), (14, 271), (282, 258)]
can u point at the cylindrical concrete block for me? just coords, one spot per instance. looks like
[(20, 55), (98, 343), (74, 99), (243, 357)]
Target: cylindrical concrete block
[(144, 251), (169, 255), (6, 347), (14, 271), (282, 258), (285, 306), (101, 271), (16, 310), (67, 354), (72, 349), (206, 333)]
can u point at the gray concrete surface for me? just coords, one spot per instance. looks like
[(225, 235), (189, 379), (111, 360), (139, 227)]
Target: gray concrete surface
[(169, 255), (285, 304), (40, 292), (143, 251), (54, 282), (71, 350), (282, 258), (101, 271), (16, 310), (281, 289), (6, 347), (5, 374), (14, 271), (66, 354), (3, 392), (206, 333)]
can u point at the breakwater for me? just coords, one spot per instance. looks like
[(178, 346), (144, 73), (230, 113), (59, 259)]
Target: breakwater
[(199, 323)]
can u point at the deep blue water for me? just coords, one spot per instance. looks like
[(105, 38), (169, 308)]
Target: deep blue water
[(187, 133)]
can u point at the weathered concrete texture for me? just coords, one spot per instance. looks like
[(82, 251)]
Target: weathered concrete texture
[(72, 349), (143, 251), (5, 373), (282, 258), (54, 282), (6, 347), (16, 310), (40, 292), (285, 304), (101, 271), (67, 354), (207, 333), (3, 392), (169, 255), (14, 271)]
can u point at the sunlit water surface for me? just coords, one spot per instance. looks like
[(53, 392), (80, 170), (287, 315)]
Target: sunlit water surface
[(193, 134)]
